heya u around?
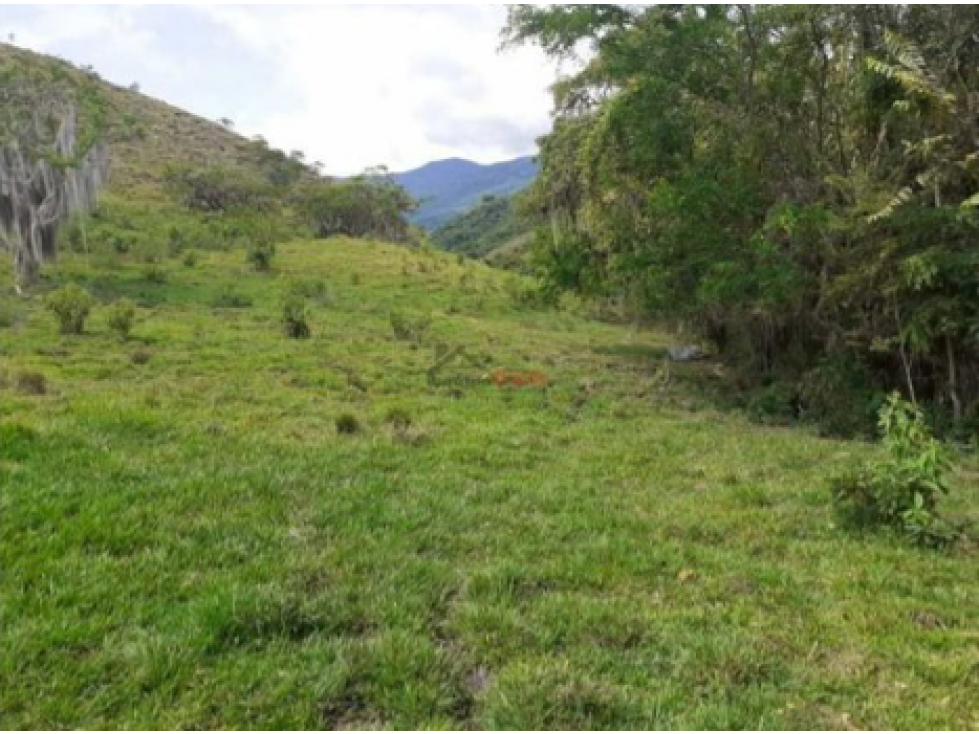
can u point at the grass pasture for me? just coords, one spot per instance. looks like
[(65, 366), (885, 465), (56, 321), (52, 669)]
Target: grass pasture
[(187, 541)]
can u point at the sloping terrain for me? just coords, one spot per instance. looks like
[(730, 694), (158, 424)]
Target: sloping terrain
[(155, 134), (211, 525), (490, 225)]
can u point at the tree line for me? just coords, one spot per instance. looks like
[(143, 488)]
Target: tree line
[(798, 184)]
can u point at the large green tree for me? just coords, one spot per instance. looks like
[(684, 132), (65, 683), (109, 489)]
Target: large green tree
[(797, 182)]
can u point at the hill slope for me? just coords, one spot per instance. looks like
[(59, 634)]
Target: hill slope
[(157, 134), (448, 188), (189, 542), (492, 230)]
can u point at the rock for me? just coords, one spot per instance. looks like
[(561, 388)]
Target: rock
[(686, 353)]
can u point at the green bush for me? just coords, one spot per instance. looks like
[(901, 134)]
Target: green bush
[(120, 317), (154, 273), (260, 255), (410, 327), (295, 315), (902, 490), (347, 424), (229, 297), (71, 305)]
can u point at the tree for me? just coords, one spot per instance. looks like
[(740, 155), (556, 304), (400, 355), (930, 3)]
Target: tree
[(52, 163), (797, 183)]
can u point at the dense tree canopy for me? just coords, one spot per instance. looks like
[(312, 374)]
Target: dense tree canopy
[(798, 182), (370, 205)]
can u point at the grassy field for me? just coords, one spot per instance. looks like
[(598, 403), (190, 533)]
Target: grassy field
[(187, 540)]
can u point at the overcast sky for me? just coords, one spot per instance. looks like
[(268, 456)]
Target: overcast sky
[(350, 85)]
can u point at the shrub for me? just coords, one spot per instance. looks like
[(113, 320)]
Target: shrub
[(141, 356), (410, 327), (120, 317), (295, 316), (31, 383), (71, 305), (398, 418), (229, 297), (311, 288), (153, 273), (190, 259), (260, 255), (347, 424), (903, 489)]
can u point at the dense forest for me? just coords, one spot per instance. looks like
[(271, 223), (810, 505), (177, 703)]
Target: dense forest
[(797, 184)]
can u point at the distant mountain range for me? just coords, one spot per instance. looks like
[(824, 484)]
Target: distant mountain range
[(451, 187)]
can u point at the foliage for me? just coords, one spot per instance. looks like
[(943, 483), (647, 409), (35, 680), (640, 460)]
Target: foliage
[(52, 161), (903, 489), (71, 306), (260, 255), (295, 315), (120, 316), (411, 327), (218, 189), (347, 423), (489, 225), (371, 205), (797, 183)]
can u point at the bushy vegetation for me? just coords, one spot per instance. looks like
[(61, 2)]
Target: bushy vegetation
[(219, 189), (796, 183), (489, 225), (295, 314), (71, 306), (904, 488), (371, 205), (120, 317)]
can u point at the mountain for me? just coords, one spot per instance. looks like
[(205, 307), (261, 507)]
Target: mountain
[(449, 187)]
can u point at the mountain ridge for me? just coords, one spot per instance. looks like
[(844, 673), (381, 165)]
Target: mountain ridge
[(449, 187)]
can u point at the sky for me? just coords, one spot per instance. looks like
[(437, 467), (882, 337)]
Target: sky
[(351, 86)]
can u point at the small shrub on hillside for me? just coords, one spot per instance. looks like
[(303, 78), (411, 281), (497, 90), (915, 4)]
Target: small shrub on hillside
[(141, 356), (120, 316), (153, 273), (71, 306), (347, 424), (398, 418), (312, 288), (260, 255), (410, 327), (189, 259), (9, 315), (903, 489), (295, 316), (229, 297), (31, 383)]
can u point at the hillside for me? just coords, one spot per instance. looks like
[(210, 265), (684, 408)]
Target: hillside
[(155, 135), (343, 484), (490, 224), (450, 187)]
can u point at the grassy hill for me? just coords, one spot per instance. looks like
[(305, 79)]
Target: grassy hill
[(451, 187), (189, 541), (157, 135)]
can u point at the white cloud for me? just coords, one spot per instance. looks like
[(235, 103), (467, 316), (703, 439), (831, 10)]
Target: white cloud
[(351, 85)]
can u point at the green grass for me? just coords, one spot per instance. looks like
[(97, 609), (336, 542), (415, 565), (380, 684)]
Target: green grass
[(187, 541)]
